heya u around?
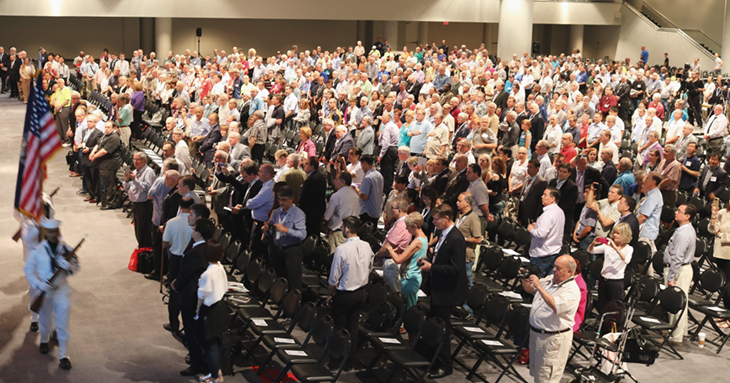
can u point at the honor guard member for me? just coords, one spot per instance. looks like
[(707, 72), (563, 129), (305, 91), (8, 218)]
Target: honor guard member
[(42, 263), (30, 233)]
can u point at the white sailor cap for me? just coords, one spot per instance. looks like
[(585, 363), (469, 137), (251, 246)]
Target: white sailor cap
[(50, 223)]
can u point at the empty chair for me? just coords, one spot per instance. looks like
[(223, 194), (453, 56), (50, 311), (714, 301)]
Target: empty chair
[(671, 300), (431, 336)]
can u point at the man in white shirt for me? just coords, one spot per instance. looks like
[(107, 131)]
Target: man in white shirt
[(715, 130), (343, 203), (176, 236), (547, 232)]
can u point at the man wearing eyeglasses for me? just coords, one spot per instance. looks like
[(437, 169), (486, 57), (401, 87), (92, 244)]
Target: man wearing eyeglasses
[(287, 229)]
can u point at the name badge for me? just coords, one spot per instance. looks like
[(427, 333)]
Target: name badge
[(713, 179), (688, 163)]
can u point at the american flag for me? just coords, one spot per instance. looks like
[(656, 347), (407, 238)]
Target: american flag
[(40, 142)]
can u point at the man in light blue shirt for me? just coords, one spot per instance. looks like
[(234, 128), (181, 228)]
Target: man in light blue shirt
[(370, 192), (650, 210), (287, 229), (418, 132), (595, 129), (441, 79), (260, 205)]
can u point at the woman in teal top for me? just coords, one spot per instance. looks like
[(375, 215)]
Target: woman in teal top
[(403, 139), (408, 259)]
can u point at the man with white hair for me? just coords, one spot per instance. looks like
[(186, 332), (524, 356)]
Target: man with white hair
[(294, 177), (342, 145), (182, 152), (716, 129), (137, 184), (238, 151)]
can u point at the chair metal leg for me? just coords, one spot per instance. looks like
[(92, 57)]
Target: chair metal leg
[(473, 370), (372, 364), (282, 374), (390, 377)]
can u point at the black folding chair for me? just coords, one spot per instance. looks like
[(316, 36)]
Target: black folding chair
[(413, 321), (712, 313), (671, 300), (338, 349), (433, 335)]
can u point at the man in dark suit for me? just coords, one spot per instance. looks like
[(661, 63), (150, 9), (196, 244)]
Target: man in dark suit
[(500, 96), (312, 200), (207, 150), (192, 266), (443, 176), (626, 207), (568, 194), (238, 184), (14, 73), (712, 180), (4, 68), (584, 175), (343, 143), (457, 182), (329, 144), (538, 124), (531, 205), (446, 280), (401, 165), (91, 137)]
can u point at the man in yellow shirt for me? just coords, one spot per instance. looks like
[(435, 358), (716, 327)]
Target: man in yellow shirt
[(61, 102)]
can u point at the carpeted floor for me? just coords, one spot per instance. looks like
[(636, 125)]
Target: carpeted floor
[(117, 315)]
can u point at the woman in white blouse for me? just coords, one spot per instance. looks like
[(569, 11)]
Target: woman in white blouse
[(616, 255), (212, 285), (519, 172)]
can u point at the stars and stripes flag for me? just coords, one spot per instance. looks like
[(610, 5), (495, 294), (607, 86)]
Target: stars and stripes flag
[(40, 143)]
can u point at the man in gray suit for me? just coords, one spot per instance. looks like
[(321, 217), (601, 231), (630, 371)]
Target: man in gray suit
[(365, 136), (239, 151)]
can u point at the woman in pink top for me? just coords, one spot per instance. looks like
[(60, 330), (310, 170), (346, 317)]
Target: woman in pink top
[(306, 147), (580, 314)]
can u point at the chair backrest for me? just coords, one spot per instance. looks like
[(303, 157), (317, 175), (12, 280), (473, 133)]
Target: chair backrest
[(218, 232), (322, 330), (378, 292), (414, 318), (476, 298), (292, 303), (672, 299), (522, 238), (278, 290), (518, 322), (700, 247), (308, 245), (496, 310), (649, 289), (253, 272), (432, 332), (242, 260), (366, 228), (641, 254), (234, 251), (506, 230), (703, 228), (612, 320), (225, 240), (491, 257), (266, 280), (713, 280), (339, 348), (399, 302), (596, 268), (307, 318), (657, 262), (510, 267), (698, 201), (667, 214), (629, 276), (382, 316), (581, 256)]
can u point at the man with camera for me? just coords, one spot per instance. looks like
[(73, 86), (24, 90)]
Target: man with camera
[(551, 319), (286, 230)]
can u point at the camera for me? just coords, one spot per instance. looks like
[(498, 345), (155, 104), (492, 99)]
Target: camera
[(597, 188), (523, 274)]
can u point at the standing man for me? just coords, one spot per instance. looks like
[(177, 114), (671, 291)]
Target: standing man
[(446, 281), (175, 238), (138, 184), (370, 192), (650, 210), (46, 259), (288, 228), (679, 256), (716, 129), (531, 194), (712, 180), (107, 159), (388, 152), (399, 238), (348, 278), (568, 194), (551, 319), (312, 198), (343, 203), (4, 67), (260, 205), (547, 233), (671, 173)]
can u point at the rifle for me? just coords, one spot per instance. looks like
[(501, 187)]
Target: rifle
[(16, 236), (38, 301)]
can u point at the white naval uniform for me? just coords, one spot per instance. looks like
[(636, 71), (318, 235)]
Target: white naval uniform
[(38, 270)]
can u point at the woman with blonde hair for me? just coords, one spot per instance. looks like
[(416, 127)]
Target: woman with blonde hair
[(616, 256), (306, 147), (302, 118), (26, 77), (408, 259)]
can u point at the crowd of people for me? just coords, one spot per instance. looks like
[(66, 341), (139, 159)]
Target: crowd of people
[(577, 151)]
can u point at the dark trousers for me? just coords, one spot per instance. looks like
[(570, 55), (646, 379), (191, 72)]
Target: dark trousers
[(188, 306), (387, 168), (287, 261), (257, 153), (173, 306), (91, 182), (345, 308), (13, 83), (212, 349), (108, 175), (609, 290), (577, 211), (669, 196), (694, 112), (444, 359), (160, 262), (142, 213), (3, 79), (257, 246), (136, 125), (364, 217)]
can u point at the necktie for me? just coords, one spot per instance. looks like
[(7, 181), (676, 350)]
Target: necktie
[(709, 125), (708, 175), (527, 186)]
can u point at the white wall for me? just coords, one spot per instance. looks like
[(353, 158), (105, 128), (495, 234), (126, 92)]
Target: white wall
[(706, 15), (635, 32)]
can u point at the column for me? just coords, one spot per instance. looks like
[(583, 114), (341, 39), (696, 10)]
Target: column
[(576, 37), (515, 28), (390, 33), (147, 34), (163, 36), (423, 33), (725, 54)]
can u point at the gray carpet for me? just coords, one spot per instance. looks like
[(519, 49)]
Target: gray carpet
[(117, 315)]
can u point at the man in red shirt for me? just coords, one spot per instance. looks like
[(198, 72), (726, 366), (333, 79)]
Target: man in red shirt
[(608, 101), (567, 147)]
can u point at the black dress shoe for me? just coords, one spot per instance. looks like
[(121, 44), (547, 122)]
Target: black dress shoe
[(187, 359), (440, 373), (34, 326), (169, 328), (152, 276), (43, 348), (64, 364), (190, 371)]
